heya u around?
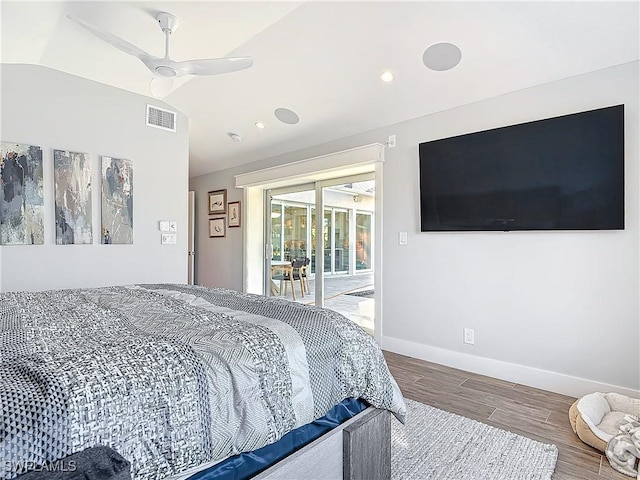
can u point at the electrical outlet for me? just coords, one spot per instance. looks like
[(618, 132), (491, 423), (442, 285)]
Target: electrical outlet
[(469, 336)]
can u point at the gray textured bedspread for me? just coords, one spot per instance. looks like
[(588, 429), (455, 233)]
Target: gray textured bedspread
[(172, 376)]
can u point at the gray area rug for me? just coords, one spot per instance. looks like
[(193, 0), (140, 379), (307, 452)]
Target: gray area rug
[(442, 446), (362, 293)]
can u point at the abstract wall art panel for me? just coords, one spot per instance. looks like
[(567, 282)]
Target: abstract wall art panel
[(21, 195), (117, 200), (72, 177)]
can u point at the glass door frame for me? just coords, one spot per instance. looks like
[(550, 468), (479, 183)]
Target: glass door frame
[(319, 207)]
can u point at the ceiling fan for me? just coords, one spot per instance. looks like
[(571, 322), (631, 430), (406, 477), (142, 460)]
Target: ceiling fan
[(164, 68)]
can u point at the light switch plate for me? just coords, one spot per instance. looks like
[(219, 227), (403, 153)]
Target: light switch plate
[(173, 226), (402, 238), (164, 225), (169, 239)]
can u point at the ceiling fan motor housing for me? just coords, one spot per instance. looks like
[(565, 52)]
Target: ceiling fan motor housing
[(165, 71)]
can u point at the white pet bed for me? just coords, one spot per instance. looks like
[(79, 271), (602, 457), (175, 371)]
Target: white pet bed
[(596, 418)]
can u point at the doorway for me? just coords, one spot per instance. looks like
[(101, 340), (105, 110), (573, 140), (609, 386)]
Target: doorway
[(336, 248), (257, 251)]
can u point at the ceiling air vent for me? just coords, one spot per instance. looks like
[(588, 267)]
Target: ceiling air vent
[(161, 118)]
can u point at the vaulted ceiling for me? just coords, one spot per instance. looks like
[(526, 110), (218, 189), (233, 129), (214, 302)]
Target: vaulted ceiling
[(322, 59)]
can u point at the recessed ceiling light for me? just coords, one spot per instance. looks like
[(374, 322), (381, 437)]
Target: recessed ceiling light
[(441, 56), (259, 125), (286, 116), (235, 137), (386, 76)]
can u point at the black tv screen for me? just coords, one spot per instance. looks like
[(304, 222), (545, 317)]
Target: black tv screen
[(562, 173)]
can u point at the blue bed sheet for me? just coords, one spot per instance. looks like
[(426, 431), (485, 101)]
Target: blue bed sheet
[(247, 465)]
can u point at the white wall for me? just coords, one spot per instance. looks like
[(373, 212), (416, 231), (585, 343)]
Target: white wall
[(564, 302), (557, 310), (56, 110)]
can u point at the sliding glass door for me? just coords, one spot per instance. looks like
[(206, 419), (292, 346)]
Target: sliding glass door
[(288, 228), (337, 245)]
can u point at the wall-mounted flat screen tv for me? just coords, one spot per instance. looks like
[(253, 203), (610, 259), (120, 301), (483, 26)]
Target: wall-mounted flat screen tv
[(562, 173)]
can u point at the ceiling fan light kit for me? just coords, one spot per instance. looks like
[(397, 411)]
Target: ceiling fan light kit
[(160, 87), (165, 67)]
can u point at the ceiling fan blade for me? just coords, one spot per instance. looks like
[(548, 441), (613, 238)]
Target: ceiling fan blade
[(164, 66), (212, 66), (119, 43)]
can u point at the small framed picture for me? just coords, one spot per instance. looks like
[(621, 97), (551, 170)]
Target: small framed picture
[(234, 214), (217, 202), (217, 227)]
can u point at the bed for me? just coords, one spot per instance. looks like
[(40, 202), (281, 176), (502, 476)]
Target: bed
[(177, 378)]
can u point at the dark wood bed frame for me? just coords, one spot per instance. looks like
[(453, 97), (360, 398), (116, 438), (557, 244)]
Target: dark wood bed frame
[(359, 449)]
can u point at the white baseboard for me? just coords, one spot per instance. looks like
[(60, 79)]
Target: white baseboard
[(511, 372)]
